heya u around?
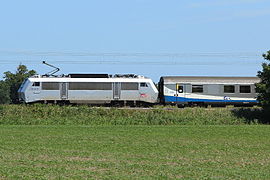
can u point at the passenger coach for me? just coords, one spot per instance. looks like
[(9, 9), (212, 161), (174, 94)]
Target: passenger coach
[(202, 90)]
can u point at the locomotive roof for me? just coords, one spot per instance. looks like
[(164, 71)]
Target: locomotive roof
[(214, 79), (89, 75), (40, 78)]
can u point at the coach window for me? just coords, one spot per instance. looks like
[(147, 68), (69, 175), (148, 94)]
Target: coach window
[(36, 84), (245, 89), (229, 89), (197, 88), (143, 85)]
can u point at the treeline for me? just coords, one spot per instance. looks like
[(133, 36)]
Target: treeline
[(11, 83)]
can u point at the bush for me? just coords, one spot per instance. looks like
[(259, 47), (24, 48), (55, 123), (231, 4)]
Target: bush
[(40, 114)]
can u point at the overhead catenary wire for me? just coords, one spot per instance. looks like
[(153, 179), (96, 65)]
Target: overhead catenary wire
[(122, 58), (130, 54), (136, 62)]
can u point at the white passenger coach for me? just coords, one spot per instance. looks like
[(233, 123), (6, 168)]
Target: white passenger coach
[(207, 90)]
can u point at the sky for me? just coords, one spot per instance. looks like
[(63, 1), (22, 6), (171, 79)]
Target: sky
[(147, 37)]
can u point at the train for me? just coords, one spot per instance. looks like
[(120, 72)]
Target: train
[(137, 90)]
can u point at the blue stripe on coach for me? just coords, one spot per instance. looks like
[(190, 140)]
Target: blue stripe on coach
[(182, 99)]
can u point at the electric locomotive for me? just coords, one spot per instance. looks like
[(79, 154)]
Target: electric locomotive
[(89, 89)]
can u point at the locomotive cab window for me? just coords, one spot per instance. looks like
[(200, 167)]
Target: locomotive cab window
[(197, 88), (36, 84), (245, 89), (143, 85), (180, 89), (229, 89)]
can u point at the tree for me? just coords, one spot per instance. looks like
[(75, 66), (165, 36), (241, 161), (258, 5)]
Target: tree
[(4, 93), (263, 88), (13, 81)]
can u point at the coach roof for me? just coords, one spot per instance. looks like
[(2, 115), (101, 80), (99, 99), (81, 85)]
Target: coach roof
[(209, 79)]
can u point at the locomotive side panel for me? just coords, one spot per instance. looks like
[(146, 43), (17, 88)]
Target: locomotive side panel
[(88, 90), (129, 91)]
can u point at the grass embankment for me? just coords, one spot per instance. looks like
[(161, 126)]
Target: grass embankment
[(84, 115), (132, 152)]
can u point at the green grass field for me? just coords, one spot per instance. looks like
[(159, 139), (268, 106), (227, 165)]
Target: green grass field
[(124, 152)]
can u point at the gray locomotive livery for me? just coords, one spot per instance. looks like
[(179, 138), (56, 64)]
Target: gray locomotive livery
[(138, 90), (89, 89)]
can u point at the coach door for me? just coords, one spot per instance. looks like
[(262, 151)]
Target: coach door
[(116, 90), (64, 90), (180, 93)]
